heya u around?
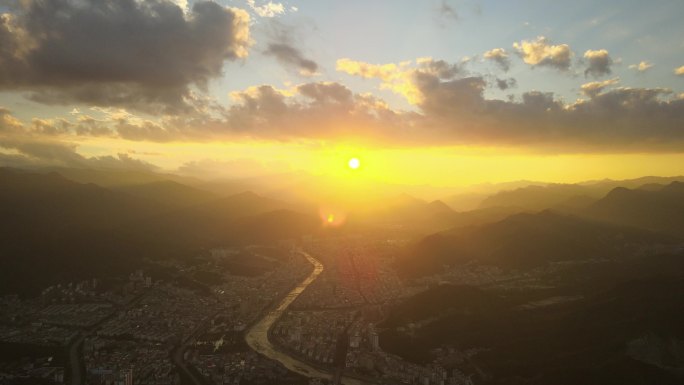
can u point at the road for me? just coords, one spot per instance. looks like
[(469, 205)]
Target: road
[(257, 336)]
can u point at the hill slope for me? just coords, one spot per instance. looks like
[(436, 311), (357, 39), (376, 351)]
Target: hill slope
[(56, 230), (655, 209), (525, 241), (536, 197)]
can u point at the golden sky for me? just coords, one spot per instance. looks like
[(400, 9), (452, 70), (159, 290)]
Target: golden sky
[(445, 94)]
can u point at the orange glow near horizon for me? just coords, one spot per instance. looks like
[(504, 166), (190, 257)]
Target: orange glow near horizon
[(453, 167)]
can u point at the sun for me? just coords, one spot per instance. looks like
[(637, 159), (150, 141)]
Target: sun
[(354, 163)]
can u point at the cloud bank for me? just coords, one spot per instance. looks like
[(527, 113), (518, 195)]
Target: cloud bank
[(451, 108), (142, 55)]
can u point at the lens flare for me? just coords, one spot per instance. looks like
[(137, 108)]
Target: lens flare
[(332, 216)]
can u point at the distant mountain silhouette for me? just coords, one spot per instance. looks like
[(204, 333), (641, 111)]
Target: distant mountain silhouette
[(540, 197), (659, 209), (410, 213), (536, 197), (428, 217), (483, 216), (274, 225), (54, 229), (52, 204), (235, 220), (169, 193), (117, 178)]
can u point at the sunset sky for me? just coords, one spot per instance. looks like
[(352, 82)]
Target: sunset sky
[(445, 93)]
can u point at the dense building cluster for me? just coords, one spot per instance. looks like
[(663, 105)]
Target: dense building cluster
[(109, 361), (357, 272), (145, 331)]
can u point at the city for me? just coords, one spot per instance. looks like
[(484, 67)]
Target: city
[(143, 330), (303, 192)]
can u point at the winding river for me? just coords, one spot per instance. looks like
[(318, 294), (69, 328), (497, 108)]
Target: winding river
[(257, 336)]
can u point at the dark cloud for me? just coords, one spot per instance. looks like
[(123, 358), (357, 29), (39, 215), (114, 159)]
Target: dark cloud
[(292, 57), (312, 110), (327, 93), (451, 97), (623, 119), (51, 151), (504, 84), (88, 126), (441, 68), (598, 63), (143, 55), (455, 111), (283, 44)]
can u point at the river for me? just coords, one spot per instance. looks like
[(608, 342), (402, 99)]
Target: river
[(257, 336)]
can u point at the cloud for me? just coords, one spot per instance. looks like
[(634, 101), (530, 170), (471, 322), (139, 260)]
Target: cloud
[(643, 66), (598, 63), (679, 71), (140, 54), (592, 89), (183, 4), (454, 110), (401, 78), (312, 110), (326, 93), (541, 52), (292, 57), (283, 43), (504, 84), (45, 143), (500, 57), (447, 11), (623, 119), (450, 107), (269, 9), (8, 123)]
